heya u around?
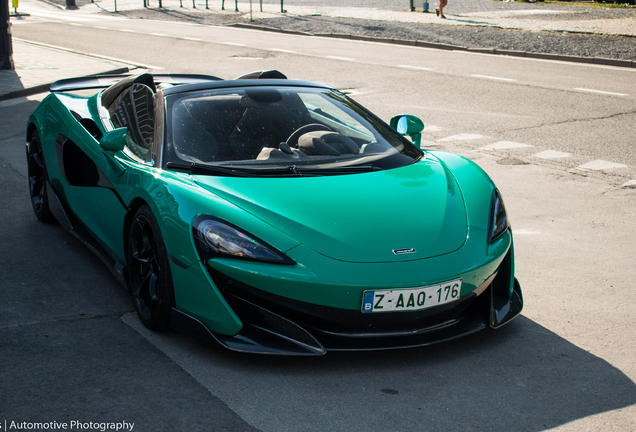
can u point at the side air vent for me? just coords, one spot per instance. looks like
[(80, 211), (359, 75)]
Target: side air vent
[(89, 125)]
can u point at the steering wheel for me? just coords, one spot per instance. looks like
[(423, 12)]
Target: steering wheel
[(292, 141)]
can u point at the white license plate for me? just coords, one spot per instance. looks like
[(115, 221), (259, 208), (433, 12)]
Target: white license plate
[(411, 299)]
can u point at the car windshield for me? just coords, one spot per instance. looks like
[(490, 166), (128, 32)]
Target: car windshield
[(278, 130)]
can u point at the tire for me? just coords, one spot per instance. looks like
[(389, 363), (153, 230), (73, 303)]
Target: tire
[(149, 271), (38, 178)]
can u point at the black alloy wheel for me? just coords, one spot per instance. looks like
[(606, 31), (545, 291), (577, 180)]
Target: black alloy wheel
[(38, 179), (149, 271)]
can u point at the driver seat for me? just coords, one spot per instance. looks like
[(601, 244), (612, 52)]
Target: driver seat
[(261, 127)]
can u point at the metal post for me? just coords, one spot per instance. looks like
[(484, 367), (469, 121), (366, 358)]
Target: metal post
[(222, 4), (194, 5), (115, 5), (282, 9), (206, 4), (411, 8), (261, 2), (236, 6), (6, 44)]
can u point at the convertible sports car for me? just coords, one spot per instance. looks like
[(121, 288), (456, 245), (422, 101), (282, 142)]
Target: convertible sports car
[(270, 215)]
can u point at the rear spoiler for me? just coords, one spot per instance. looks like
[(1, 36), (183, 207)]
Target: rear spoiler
[(103, 81)]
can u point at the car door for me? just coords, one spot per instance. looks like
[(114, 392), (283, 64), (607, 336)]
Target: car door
[(99, 178)]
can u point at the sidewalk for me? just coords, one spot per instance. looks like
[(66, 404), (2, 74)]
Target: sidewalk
[(36, 67)]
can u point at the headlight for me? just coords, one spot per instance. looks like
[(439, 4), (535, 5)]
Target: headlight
[(216, 238), (498, 219)]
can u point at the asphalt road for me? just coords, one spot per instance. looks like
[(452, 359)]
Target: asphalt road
[(72, 349), (583, 110)]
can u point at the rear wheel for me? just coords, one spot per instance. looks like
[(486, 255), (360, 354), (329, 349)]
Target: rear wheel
[(149, 270), (38, 179)]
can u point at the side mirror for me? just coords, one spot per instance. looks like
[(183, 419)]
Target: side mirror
[(114, 140), (408, 125)]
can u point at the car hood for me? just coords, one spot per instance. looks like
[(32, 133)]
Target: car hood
[(401, 214)]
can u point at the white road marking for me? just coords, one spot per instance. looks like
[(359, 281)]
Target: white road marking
[(128, 31), (631, 183), (101, 27), (600, 165), (340, 58), (494, 78), (192, 39), (234, 44), (145, 66), (282, 50), (76, 24), (159, 34), (461, 137), (415, 67), (503, 145), (600, 92), (551, 154)]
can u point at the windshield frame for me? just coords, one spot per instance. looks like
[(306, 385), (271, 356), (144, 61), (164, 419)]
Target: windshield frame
[(379, 128)]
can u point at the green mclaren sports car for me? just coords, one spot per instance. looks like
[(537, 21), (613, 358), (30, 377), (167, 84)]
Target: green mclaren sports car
[(270, 215)]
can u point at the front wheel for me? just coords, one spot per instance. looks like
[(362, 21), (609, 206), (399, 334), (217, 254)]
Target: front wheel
[(149, 270)]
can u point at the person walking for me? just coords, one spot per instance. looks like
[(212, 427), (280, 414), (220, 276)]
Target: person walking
[(440, 11)]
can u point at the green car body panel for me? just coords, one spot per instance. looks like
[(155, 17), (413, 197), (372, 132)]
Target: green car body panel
[(341, 231)]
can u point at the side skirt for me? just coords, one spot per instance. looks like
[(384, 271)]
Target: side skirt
[(69, 223)]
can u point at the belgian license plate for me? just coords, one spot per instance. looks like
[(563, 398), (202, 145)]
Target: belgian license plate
[(411, 299)]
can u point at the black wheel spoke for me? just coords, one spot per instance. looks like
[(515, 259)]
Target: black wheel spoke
[(152, 289), (137, 254), (36, 185), (38, 160), (34, 181), (155, 264), (150, 300)]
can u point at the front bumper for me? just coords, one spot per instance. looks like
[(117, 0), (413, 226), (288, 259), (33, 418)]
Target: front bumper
[(274, 324)]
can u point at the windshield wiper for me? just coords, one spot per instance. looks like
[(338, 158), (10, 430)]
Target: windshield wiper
[(197, 168), (339, 169), (291, 170)]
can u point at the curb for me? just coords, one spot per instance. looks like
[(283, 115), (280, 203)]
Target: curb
[(441, 46), (268, 29), (41, 88)]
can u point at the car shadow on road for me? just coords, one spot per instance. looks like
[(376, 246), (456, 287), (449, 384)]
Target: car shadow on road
[(520, 377)]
